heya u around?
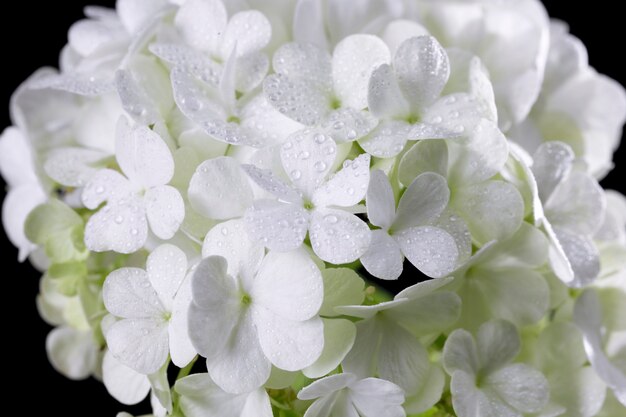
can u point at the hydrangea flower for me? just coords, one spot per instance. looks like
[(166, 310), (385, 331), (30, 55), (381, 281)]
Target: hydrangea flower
[(346, 395), (484, 382), (136, 199)]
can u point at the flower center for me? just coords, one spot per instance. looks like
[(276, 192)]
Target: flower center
[(246, 299)]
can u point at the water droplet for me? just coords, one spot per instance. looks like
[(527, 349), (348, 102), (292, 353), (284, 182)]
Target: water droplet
[(283, 223), (319, 138), (352, 134), (134, 232), (350, 191), (304, 155), (332, 219), (320, 166), (437, 119), (459, 129), (99, 190), (224, 231), (296, 175), (339, 125), (119, 220)]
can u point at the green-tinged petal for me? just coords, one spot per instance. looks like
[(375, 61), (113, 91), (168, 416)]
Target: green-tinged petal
[(71, 352), (342, 286), (461, 354), (339, 337)]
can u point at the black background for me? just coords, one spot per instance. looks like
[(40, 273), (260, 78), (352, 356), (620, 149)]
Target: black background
[(25, 366)]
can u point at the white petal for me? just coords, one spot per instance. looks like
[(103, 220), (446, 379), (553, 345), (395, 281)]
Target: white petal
[(261, 119), (120, 226), (307, 157), (430, 392), (354, 59), (402, 359), (17, 205), (202, 23), (241, 366), (387, 140), (580, 390), (552, 162), (200, 396), (230, 240), (385, 98), (73, 167), (134, 98), (142, 155), (165, 211), (308, 24), (271, 183), (342, 286), (141, 344), (481, 156), (383, 258), (381, 206), (460, 353), (424, 200), (469, 401), (400, 30), (166, 267), (337, 236), (362, 360), (422, 69), (582, 255), (75, 83), (257, 405), (430, 249), (498, 343), (220, 189), (521, 386), (180, 55), (161, 396), (347, 187), (104, 185), (456, 115), (251, 71), (16, 160), (577, 204), (348, 124), (181, 348), (296, 98), (249, 30), (128, 293), (289, 345), (123, 383), (375, 397), (493, 210), (326, 386), (279, 226), (289, 285), (428, 313), (339, 335), (306, 61), (215, 309), (71, 352), (424, 156)]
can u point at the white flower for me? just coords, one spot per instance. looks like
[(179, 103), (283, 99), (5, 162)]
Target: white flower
[(574, 207), (346, 395), (406, 97), (315, 89), (601, 341), (25, 191), (498, 281), (200, 397), (387, 344), (484, 382), (407, 231), (72, 351), (135, 200), (250, 311), (577, 105), (152, 306), (314, 202), (493, 209)]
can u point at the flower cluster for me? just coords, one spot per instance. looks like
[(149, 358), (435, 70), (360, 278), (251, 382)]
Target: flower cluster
[(218, 179)]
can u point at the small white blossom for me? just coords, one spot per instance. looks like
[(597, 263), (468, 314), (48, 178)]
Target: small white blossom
[(346, 395), (135, 200)]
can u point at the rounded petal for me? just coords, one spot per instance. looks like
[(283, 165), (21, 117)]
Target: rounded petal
[(141, 344), (202, 23), (129, 293), (432, 250), (338, 237), (142, 155), (308, 24), (241, 366), (422, 68), (552, 162), (342, 287), (387, 140), (230, 240), (279, 226), (347, 124), (326, 386), (306, 61), (220, 189), (272, 184), (430, 392), (383, 259), (385, 98), (71, 352), (17, 205), (296, 98), (424, 200), (288, 344), (339, 336), (498, 343), (165, 211), (493, 210), (73, 167), (181, 348), (354, 60), (522, 387), (123, 383), (307, 157), (120, 226), (582, 255), (424, 156), (460, 353), (249, 31), (166, 267), (105, 185), (347, 187), (374, 397), (381, 202)]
